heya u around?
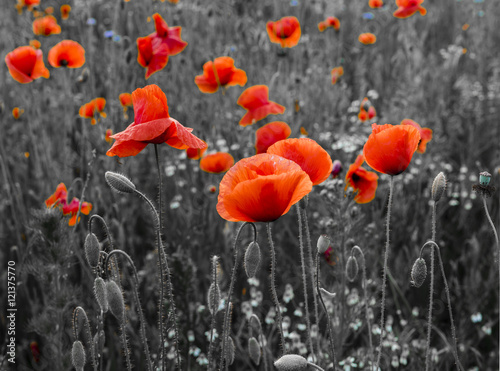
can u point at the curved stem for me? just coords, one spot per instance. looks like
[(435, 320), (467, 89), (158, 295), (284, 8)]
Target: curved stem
[(279, 318), (384, 276), (315, 366), (157, 156), (304, 281), (225, 329), (214, 312)]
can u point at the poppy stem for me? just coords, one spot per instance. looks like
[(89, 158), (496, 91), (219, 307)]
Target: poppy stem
[(157, 156), (429, 316), (213, 309), (225, 329), (273, 289), (304, 280), (384, 275)]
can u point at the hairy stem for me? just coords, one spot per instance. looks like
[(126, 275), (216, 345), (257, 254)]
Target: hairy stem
[(429, 315), (214, 312)]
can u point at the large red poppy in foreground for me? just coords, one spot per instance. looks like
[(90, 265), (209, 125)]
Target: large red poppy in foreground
[(256, 101), (261, 188), (363, 182), (227, 75), (152, 125), (308, 154), (389, 149), (25, 64)]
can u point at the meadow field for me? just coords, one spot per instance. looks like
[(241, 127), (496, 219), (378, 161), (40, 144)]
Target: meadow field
[(153, 247)]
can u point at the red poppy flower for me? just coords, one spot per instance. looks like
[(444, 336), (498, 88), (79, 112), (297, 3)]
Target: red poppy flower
[(329, 22), (46, 26), (25, 64), (269, 134), (367, 38), (303, 131), (371, 112), (107, 136), (375, 3), (125, 99), (65, 9), (60, 199), (155, 48), (196, 153), (256, 101), (286, 32), (362, 181), (152, 125), (17, 112), (261, 188), (90, 109), (389, 148), (60, 195), (217, 163), (311, 157), (227, 75), (425, 134), (336, 72), (362, 115), (35, 351), (67, 53), (406, 8), (35, 44), (330, 256), (28, 3)]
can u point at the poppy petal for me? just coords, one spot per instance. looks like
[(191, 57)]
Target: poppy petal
[(150, 103), (269, 134), (217, 163)]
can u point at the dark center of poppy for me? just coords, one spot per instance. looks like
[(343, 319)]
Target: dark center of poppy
[(63, 62), (355, 177)]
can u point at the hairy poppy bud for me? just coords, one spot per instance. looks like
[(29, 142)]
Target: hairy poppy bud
[(115, 300), (438, 186), (92, 250), (254, 350), (323, 243), (213, 298), (252, 259), (418, 272), (230, 351), (101, 294), (351, 268), (254, 322), (78, 355), (291, 362), (119, 183)]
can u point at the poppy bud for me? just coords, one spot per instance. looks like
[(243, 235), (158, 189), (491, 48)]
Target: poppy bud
[(78, 355), (484, 178), (101, 294), (291, 362), (351, 268), (119, 183), (323, 243), (254, 322), (115, 300), (252, 259), (418, 272), (438, 186), (92, 250), (230, 351), (337, 168), (254, 350), (213, 298)]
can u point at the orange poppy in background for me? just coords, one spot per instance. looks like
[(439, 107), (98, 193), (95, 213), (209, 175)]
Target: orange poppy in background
[(261, 188), (406, 8), (60, 195), (154, 49), (425, 134), (125, 99), (28, 3), (375, 4), (389, 149), (285, 32), (196, 153), (367, 38), (308, 154), (17, 112), (107, 136), (256, 101), (269, 134), (336, 72), (60, 198), (152, 125), (90, 109), (227, 75), (35, 44), (362, 115), (46, 26), (217, 163), (65, 10), (67, 53), (25, 64), (329, 22), (371, 112), (363, 182)]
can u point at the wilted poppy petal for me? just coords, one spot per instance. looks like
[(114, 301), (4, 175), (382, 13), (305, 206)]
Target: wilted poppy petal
[(311, 157), (389, 149), (362, 181), (25, 64), (67, 53), (269, 134), (217, 163), (261, 188)]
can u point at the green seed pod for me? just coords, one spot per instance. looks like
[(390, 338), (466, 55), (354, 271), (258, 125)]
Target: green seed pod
[(92, 250), (418, 272), (101, 294), (291, 362), (254, 350), (351, 268), (252, 259), (119, 183), (323, 243), (78, 355), (484, 178), (438, 186), (213, 298), (115, 300), (230, 351)]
